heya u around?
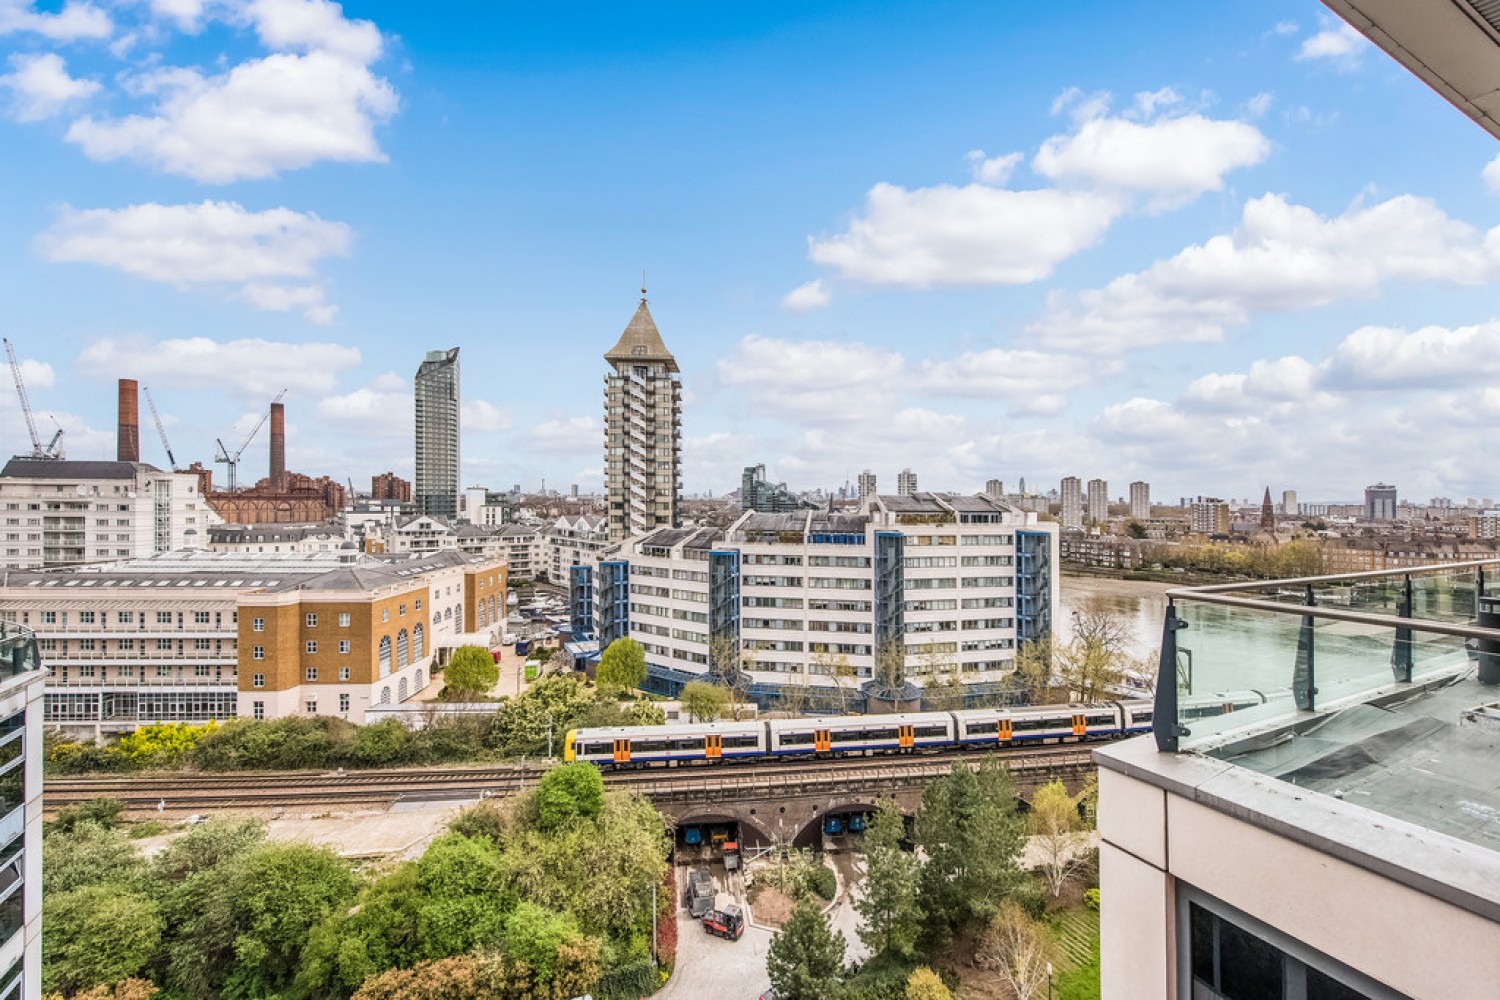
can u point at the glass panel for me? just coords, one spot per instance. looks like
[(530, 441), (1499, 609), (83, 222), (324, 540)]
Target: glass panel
[(1322, 987), (1249, 968), (1201, 931)]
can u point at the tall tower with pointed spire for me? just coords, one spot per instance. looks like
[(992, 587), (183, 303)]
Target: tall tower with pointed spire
[(1267, 512), (642, 429)]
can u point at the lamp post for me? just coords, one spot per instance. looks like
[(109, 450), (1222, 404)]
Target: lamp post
[(1049, 981)]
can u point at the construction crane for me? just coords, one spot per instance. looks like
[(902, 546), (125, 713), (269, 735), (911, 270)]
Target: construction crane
[(159, 428), (233, 461), (37, 451)]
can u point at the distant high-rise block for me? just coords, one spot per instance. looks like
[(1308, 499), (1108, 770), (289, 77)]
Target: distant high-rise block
[(906, 483), (866, 484), (436, 390), (643, 430), (389, 486), (1380, 502), (994, 488), (1289, 502), (1098, 501), (1210, 516), (1140, 500), (1071, 495)]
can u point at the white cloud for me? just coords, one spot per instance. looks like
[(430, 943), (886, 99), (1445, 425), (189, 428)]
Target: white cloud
[(1285, 28), (984, 233), (76, 20), (971, 235), (1282, 257), (314, 25), (382, 409), (1337, 42), (807, 297), (480, 417), (1377, 357), (1258, 105), (1014, 374), (249, 367), (567, 434), (273, 256), (993, 170), (41, 87), (815, 381), (1491, 175), (1173, 159), (313, 99)]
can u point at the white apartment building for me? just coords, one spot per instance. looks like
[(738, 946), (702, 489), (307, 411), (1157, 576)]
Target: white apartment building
[(321, 536), (1140, 501), (803, 590), (906, 483), (866, 484), (1098, 504), (55, 512), (1071, 491), (162, 638), (1289, 502), (573, 541)]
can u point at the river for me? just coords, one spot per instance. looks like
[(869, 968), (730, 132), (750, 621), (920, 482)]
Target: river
[(1139, 603)]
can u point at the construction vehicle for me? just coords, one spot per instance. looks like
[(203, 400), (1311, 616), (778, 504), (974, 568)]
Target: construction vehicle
[(54, 448), (233, 461), (728, 923)]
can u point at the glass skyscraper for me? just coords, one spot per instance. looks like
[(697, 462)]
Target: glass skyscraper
[(436, 391)]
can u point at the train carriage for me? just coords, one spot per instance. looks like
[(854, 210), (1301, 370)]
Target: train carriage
[(861, 733), (682, 743)]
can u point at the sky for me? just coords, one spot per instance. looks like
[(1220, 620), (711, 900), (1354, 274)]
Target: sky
[(1218, 247)]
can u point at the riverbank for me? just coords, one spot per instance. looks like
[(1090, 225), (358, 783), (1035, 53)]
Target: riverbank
[(1176, 578)]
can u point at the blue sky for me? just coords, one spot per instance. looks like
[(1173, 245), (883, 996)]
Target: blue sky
[(1215, 246)]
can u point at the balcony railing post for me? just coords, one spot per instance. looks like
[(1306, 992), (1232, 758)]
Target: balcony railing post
[(1401, 653), (1304, 671), (1164, 712)]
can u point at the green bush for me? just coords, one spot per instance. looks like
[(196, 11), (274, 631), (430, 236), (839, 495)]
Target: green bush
[(277, 744), (1091, 898), (629, 981), (569, 793), (103, 812), (823, 881)]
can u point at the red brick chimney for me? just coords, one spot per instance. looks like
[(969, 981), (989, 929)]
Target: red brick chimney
[(278, 447), (128, 424)]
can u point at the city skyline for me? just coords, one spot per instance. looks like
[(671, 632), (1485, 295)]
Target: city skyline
[(1112, 346)]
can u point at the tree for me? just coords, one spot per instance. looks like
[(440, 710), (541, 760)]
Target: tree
[(622, 667), (924, 984), (704, 701), (806, 958), (794, 697), (838, 667), (890, 666), (445, 979), (1093, 662), (471, 673), (96, 936), (889, 904), (569, 793), (125, 989), (521, 724), (534, 935), (944, 695), (1019, 949), (89, 855), (1033, 673), (973, 838), (1135, 529), (1057, 834)]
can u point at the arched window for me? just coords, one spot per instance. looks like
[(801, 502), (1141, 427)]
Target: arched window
[(418, 644), (448, 615), (458, 617), (385, 655), (401, 690), (403, 649), (385, 695), (484, 612), (421, 681)]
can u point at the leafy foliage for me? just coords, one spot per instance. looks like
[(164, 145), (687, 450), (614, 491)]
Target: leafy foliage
[(924, 984), (1019, 949), (569, 793), (97, 935), (704, 701), (1057, 831), (163, 745), (889, 907), (103, 812), (89, 855), (125, 989), (622, 666), (806, 958), (471, 673)]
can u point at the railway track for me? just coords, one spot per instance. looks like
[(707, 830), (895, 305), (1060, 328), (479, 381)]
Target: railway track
[(282, 789)]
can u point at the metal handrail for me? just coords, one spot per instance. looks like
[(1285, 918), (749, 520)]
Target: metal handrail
[(1302, 581), (1335, 614)]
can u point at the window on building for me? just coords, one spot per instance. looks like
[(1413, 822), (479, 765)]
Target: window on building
[(203, 670), (200, 618), (312, 621), (401, 610), (257, 652), (86, 617), (312, 646), (126, 617), (163, 644), (343, 673), (343, 621), (164, 618), (258, 624), (419, 604), (1227, 960), (344, 703), (258, 709), (385, 614), (49, 617), (312, 706), (312, 673), (258, 680)]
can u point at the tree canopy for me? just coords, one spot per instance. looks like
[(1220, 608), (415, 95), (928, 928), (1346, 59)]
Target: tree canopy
[(471, 673), (704, 701), (569, 793), (622, 666), (806, 957)]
